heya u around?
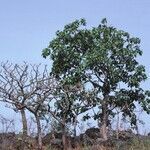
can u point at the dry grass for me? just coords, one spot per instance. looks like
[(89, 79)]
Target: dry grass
[(134, 144)]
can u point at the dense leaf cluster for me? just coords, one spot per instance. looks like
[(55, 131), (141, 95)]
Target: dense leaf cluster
[(103, 60)]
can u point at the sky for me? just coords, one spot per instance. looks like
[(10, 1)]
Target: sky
[(26, 27)]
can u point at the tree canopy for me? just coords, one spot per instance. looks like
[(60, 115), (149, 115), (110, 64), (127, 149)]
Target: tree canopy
[(106, 59)]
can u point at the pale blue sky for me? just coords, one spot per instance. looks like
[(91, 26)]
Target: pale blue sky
[(27, 26)]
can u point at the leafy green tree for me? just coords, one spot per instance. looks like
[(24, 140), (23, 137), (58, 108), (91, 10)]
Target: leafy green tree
[(104, 59), (68, 105)]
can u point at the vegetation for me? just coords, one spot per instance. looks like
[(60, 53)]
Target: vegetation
[(105, 59), (94, 70)]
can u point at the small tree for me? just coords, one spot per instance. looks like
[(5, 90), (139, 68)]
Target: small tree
[(67, 106), (7, 125), (105, 58), (41, 98)]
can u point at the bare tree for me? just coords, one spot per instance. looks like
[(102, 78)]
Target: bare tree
[(38, 103), (14, 87), (26, 87)]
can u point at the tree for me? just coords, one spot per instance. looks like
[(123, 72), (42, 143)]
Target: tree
[(13, 89), (67, 107), (104, 58), (43, 87), (27, 87)]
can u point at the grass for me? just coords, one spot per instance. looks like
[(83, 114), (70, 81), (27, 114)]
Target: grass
[(134, 144)]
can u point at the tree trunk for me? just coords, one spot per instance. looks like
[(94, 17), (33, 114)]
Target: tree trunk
[(104, 119), (118, 126), (75, 127), (64, 141), (24, 123), (103, 129), (24, 128), (75, 132), (39, 134)]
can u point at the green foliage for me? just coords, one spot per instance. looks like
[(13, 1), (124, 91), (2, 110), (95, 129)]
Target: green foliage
[(105, 57), (68, 104)]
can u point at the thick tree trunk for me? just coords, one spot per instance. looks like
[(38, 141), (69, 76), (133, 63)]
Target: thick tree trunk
[(24, 123), (103, 129), (104, 119), (64, 140), (39, 134)]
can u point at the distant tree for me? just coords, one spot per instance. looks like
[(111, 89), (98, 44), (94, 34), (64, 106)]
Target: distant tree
[(104, 58), (7, 124)]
